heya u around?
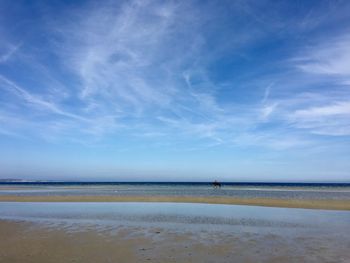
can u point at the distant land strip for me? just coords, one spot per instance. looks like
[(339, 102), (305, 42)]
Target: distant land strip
[(288, 203)]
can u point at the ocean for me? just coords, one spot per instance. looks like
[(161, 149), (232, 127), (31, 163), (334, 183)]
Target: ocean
[(318, 191)]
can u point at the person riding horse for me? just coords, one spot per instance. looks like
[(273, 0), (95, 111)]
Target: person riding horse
[(216, 184)]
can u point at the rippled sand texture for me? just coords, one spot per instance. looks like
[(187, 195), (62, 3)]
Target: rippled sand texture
[(169, 232), (29, 242)]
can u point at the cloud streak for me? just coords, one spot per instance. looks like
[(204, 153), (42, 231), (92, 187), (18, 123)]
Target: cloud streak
[(9, 53), (36, 100), (149, 67), (331, 58)]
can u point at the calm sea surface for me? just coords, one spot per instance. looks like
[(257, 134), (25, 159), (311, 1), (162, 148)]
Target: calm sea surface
[(245, 190)]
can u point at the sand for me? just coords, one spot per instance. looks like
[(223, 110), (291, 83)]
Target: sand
[(289, 203), (31, 242)]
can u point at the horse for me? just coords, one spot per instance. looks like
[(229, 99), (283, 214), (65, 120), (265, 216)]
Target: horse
[(216, 184)]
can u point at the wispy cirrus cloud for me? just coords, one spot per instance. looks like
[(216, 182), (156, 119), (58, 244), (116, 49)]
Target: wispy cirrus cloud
[(331, 58), (130, 61), (9, 51), (331, 119), (323, 113), (338, 109), (35, 100), (117, 54), (146, 66), (145, 82), (327, 111)]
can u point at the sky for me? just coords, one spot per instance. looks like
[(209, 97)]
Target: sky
[(175, 90)]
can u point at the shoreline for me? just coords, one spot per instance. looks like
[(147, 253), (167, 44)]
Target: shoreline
[(269, 202)]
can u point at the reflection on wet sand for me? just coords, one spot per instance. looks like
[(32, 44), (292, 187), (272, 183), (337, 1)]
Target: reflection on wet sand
[(168, 232), (270, 202)]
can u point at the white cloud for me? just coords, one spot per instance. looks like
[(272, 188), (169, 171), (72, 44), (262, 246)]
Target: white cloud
[(276, 140), (333, 120), (267, 93), (117, 54), (267, 110), (331, 57), (142, 66), (326, 112), (129, 60), (36, 100), (339, 108), (11, 50)]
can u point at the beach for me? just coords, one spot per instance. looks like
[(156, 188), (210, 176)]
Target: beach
[(173, 223), (170, 232), (32, 243), (26, 242)]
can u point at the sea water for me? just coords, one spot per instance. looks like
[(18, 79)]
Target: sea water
[(238, 190)]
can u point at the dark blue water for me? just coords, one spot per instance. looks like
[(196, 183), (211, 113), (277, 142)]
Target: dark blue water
[(276, 184), (330, 191)]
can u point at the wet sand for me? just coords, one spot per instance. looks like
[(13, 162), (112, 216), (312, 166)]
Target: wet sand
[(34, 242), (269, 202)]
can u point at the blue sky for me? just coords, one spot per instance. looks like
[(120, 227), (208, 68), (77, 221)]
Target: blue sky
[(175, 90)]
